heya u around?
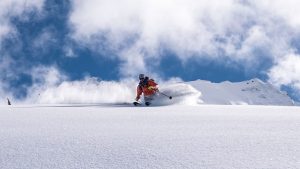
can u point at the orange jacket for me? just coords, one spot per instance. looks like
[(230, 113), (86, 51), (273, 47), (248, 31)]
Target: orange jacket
[(148, 88)]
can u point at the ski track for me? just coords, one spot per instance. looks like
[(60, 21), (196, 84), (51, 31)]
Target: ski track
[(98, 136)]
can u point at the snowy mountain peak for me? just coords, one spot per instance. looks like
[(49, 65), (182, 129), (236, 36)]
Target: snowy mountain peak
[(252, 92)]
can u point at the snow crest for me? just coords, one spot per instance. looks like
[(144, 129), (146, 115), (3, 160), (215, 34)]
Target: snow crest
[(251, 92)]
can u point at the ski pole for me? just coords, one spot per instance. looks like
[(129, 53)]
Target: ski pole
[(170, 97)]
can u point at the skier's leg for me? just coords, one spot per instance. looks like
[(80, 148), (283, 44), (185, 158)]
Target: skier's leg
[(148, 99)]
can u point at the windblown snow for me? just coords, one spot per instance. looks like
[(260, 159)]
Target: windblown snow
[(91, 91)]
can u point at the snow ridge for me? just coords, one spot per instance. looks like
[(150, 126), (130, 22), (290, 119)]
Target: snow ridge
[(251, 92)]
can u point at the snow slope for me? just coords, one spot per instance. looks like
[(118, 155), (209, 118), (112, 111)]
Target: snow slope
[(252, 92), (102, 137)]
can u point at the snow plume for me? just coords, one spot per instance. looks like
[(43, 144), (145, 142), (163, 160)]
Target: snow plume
[(51, 86), (52, 89), (89, 90), (182, 94)]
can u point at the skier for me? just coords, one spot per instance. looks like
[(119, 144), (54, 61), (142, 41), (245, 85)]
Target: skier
[(147, 87)]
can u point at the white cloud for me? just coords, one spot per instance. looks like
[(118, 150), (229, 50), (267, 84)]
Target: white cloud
[(47, 76), (9, 9), (242, 31), (12, 8), (286, 9), (286, 71), (188, 28), (69, 52), (4, 30), (177, 25), (43, 41)]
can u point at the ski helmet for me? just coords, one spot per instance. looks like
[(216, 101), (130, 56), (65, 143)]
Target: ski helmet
[(141, 76)]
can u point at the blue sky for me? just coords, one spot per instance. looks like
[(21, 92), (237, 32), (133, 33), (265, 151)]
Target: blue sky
[(112, 40)]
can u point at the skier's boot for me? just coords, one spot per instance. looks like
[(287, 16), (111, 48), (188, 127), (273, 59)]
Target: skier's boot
[(136, 103), (147, 103)]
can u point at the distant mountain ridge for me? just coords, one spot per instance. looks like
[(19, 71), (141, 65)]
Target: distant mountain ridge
[(251, 92)]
